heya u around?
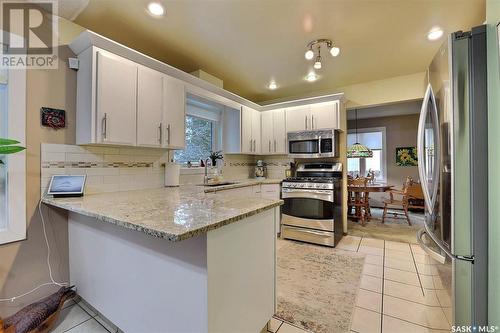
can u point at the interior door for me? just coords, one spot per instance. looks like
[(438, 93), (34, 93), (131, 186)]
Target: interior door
[(267, 132), (116, 99), (279, 129), (149, 107)]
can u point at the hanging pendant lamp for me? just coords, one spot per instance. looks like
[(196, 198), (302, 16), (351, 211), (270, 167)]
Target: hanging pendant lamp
[(358, 150)]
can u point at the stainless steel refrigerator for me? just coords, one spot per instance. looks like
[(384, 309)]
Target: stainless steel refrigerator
[(452, 149)]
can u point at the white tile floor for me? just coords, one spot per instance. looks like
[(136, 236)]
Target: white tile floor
[(399, 292)]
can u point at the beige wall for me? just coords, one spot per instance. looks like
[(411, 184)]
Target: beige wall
[(401, 131), (23, 264)]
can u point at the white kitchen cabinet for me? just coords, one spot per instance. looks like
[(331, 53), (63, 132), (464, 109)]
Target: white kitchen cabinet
[(116, 99), (149, 107), (273, 132), (250, 131), (273, 191), (325, 115), (313, 116), (174, 113), (298, 118)]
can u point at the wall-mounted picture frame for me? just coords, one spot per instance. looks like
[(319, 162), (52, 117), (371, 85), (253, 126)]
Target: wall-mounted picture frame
[(406, 156)]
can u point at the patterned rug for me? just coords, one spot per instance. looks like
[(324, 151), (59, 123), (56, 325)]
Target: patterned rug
[(317, 286)]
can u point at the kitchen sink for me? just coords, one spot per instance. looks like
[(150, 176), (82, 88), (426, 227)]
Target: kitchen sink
[(218, 184)]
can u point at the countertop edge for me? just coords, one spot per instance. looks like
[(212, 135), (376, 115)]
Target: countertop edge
[(243, 183), (163, 234)]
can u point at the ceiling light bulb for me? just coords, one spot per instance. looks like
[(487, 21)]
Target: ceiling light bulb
[(156, 9), (272, 85), (311, 77), (309, 54), (317, 63), (435, 33), (334, 51)]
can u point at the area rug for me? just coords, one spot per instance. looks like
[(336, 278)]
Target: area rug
[(317, 286), (396, 230)]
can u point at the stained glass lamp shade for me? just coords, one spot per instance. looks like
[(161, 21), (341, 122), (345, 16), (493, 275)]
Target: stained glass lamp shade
[(358, 150)]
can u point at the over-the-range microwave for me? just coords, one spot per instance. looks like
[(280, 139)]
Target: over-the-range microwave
[(313, 144)]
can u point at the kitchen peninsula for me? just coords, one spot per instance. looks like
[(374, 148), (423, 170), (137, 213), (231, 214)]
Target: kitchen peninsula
[(174, 259)]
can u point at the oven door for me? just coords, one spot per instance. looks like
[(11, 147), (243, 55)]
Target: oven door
[(313, 209)]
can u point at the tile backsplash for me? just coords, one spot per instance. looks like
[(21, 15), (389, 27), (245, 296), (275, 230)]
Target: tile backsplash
[(111, 169), (108, 169)]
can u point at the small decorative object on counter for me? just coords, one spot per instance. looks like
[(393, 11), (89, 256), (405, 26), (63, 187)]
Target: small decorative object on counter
[(260, 170), (38, 317), (216, 155), (53, 118), (9, 146), (172, 174)]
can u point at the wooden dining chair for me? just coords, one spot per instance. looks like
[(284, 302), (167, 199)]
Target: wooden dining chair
[(411, 191), (358, 200)]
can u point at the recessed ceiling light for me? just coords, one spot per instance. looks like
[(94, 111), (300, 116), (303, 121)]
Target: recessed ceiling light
[(156, 9), (272, 85), (311, 77), (435, 33), (309, 54)]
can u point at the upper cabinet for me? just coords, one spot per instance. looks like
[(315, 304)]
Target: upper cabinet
[(273, 132), (314, 116), (250, 131), (116, 82), (120, 102)]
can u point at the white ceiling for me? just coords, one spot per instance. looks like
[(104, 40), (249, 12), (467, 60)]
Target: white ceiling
[(247, 43)]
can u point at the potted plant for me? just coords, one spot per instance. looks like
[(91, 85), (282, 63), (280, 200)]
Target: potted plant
[(216, 155), (9, 146)]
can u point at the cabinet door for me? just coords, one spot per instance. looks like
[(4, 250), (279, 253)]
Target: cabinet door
[(298, 119), (267, 132), (256, 131), (116, 100), (246, 130), (279, 130), (174, 113), (149, 107), (325, 115)]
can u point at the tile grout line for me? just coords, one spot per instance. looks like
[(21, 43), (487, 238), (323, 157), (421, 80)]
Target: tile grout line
[(69, 329), (418, 273), (410, 322)]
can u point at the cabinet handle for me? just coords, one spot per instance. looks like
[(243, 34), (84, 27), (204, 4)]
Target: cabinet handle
[(274, 145), (168, 134), (251, 145), (161, 133), (269, 145), (104, 126), (254, 146), (312, 122), (306, 122)]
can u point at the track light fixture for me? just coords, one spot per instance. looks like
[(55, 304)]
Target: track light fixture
[(334, 51)]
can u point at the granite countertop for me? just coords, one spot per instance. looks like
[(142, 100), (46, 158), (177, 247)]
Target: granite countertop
[(242, 183), (175, 213)]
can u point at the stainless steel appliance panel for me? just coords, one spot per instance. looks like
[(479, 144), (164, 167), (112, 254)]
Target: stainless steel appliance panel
[(308, 235), (326, 225)]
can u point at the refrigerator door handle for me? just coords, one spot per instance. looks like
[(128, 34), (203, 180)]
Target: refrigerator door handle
[(429, 197)]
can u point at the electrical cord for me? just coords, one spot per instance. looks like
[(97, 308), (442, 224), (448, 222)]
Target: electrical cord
[(52, 281)]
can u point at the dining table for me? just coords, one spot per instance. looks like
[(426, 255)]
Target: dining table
[(365, 190)]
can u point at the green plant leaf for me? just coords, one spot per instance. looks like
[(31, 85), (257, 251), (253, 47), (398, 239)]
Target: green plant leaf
[(6, 142), (4, 150)]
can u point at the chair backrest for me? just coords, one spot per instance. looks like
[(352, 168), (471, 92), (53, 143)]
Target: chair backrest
[(414, 191), (358, 182)]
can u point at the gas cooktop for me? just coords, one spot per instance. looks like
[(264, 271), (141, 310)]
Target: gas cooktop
[(310, 179)]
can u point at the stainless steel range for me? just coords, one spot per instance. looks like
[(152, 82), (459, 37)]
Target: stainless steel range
[(313, 204)]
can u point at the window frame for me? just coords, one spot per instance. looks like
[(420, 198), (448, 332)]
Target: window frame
[(216, 130), (383, 154), (16, 163)]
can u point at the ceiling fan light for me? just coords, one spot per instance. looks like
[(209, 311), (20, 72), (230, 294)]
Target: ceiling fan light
[(309, 54), (317, 63), (334, 51)]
